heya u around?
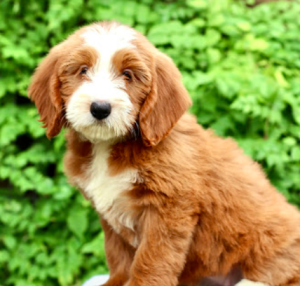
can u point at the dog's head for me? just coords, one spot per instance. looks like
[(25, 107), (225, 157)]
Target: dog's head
[(105, 80)]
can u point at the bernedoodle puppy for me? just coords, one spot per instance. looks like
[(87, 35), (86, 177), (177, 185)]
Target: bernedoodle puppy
[(177, 203)]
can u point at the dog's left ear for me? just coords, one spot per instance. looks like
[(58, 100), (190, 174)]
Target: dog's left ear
[(166, 102), (44, 91)]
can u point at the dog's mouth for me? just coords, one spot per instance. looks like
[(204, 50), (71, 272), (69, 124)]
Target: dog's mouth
[(100, 123), (97, 131)]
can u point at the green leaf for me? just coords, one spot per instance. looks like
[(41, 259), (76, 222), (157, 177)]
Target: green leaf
[(77, 221), (244, 26), (280, 78), (214, 55), (289, 141), (295, 154), (212, 37), (258, 44), (199, 4), (10, 241), (94, 247)]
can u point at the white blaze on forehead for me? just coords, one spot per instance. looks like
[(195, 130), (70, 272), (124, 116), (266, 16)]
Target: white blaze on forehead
[(108, 40)]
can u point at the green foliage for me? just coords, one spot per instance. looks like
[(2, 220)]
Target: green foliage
[(240, 65)]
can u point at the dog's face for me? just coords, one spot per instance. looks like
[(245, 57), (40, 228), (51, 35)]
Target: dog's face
[(105, 81)]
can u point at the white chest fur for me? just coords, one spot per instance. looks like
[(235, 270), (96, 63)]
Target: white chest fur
[(106, 191)]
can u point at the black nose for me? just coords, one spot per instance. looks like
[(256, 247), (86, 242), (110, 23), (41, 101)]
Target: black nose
[(100, 110)]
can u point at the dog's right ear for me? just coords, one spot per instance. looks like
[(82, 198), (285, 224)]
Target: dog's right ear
[(44, 91)]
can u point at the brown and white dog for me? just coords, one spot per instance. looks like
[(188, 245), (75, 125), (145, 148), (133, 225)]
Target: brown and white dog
[(177, 203)]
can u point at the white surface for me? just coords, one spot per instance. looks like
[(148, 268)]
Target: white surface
[(246, 282), (101, 279), (96, 280)]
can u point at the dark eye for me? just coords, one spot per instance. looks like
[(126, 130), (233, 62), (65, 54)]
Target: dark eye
[(83, 69), (127, 75)]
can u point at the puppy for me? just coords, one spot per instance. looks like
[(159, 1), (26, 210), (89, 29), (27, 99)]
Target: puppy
[(177, 203)]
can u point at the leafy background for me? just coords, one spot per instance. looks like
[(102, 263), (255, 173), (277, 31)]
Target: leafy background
[(241, 66)]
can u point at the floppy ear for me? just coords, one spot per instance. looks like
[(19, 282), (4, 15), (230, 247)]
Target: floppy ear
[(165, 104), (44, 91)]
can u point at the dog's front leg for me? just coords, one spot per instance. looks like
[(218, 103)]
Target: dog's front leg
[(161, 255), (119, 256)]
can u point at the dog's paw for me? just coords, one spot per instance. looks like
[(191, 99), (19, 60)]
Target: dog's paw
[(246, 282)]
